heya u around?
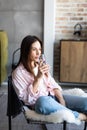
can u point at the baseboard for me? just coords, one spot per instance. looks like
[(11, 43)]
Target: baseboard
[(4, 84)]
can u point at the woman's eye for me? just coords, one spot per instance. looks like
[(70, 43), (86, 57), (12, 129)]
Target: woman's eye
[(33, 49), (40, 49)]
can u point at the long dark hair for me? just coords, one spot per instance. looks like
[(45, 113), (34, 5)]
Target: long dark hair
[(25, 49)]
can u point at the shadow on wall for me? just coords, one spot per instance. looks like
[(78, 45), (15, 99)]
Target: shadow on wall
[(56, 61)]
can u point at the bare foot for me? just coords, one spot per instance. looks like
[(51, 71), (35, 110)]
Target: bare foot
[(82, 117)]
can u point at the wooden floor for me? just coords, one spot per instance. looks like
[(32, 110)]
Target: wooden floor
[(19, 123)]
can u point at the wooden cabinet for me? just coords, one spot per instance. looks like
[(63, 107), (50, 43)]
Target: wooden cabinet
[(73, 61)]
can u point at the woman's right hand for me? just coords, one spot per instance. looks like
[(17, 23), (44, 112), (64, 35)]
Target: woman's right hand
[(43, 69)]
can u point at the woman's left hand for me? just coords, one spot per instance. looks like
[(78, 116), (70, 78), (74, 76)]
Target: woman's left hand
[(59, 96)]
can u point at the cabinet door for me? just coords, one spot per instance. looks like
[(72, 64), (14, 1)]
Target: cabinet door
[(73, 61)]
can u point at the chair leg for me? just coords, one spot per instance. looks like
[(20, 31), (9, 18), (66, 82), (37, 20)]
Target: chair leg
[(64, 125), (44, 126), (9, 122), (85, 125)]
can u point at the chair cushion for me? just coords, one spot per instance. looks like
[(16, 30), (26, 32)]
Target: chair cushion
[(56, 117)]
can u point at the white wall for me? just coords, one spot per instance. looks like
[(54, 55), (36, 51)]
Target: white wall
[(49, 32)]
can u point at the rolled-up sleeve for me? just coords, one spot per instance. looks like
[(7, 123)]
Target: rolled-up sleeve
[(23, 83), (52, 84)]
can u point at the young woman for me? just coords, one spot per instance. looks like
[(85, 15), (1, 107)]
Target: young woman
[(33, 82)]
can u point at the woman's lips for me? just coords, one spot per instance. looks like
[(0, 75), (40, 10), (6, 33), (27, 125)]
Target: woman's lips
[(37, 59)]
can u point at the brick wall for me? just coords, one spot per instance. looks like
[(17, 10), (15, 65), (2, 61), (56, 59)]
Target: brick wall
[(68, 14)]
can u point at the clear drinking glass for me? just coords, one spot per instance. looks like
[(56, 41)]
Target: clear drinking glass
[(43, 59)]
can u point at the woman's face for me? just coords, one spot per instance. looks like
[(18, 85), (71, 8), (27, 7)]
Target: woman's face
[(35, 52)]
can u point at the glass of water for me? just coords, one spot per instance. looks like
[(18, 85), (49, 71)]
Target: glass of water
[(42, 59)]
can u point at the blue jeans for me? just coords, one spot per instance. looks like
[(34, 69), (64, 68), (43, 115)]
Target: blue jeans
[(76, 103), (47, 104)]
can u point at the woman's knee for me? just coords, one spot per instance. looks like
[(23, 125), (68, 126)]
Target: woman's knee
[(40, 105), (41, 101), (46, 105)]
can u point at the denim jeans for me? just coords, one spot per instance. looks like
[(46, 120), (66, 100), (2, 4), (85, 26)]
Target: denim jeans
[(48, 104), (76, 103)]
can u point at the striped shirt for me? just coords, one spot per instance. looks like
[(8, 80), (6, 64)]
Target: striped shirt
[(23, 84)]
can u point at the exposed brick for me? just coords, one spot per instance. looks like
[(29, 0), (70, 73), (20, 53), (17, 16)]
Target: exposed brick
[(68, 14)]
